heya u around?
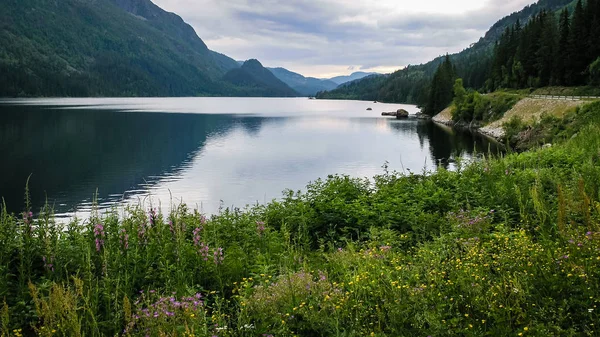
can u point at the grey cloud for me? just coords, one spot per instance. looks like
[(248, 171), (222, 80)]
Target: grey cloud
[(305, 33)]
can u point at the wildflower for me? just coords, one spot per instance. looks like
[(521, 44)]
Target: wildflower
[(196, 235), (99, 235), (124, 239), (203, 251), (260, 228), (153, 216), (218, 255), (48, 265)]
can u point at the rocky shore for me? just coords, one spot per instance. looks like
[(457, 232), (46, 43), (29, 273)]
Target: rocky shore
[(494, 132)]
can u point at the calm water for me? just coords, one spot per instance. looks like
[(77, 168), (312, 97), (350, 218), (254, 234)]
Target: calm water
[(208, 152)]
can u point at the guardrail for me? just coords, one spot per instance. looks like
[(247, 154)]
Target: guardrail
[(564, 98)]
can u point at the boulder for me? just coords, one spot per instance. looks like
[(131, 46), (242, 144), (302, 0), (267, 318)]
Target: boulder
[(401, 113)]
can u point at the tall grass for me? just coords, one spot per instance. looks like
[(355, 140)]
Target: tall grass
[(504, 246)]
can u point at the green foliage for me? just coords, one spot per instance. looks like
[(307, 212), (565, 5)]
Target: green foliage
[(441, 90), (474, 107), (512, 128), (594, 71)]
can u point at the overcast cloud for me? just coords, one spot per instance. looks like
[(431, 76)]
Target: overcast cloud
[(325, 38)]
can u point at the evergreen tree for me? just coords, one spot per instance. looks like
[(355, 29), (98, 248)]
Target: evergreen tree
[(593, 18), (563, 47), (576, 62), (441, 89), (546, 53)]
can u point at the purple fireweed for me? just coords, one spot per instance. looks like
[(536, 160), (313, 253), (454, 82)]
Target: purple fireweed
[(99, 236), (48, 263), (218, 256), (163, 309), (124, 239), (204, 251), (196, 236), (153, 216), (260, 228)]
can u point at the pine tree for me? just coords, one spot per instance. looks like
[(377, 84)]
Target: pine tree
[(441, 89), (563, 47), (593, 17), (546, 54), (576, 60)]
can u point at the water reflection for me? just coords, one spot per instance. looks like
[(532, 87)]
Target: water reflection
[(202, 158)]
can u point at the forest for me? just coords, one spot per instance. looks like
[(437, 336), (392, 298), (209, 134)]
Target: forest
[(551, 43)]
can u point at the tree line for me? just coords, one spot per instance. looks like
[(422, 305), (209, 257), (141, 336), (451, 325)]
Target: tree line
[(551, 49)]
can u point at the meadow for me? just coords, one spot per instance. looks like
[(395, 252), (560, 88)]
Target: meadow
[(503, 246)]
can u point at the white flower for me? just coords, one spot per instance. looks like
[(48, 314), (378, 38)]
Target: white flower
[(590, 310)]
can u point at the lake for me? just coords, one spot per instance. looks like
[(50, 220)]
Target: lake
[(206, 152)]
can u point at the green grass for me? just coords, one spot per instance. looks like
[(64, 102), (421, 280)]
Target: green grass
[(504, 246), (484, 109)]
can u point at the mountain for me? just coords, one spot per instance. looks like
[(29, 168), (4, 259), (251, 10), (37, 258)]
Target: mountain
[(106, 48), (305, 86), (411, 84), (259, 81), (354, 76)]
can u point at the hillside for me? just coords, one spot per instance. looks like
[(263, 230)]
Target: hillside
[(410, 85), (106, 48), (258, 81), (305, 86)]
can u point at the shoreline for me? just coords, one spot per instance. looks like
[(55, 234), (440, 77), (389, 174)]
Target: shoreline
[(495, 134)]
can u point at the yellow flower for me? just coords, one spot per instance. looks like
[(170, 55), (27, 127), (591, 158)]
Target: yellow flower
[(526, 328)]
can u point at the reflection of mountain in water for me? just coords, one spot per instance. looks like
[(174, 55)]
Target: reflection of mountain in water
[(72, 152), (446, 143)]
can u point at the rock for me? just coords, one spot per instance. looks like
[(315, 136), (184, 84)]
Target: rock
[(401, 113), (369, 109), (421, 115), (547, 146)]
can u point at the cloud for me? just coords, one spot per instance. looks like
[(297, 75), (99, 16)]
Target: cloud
[(323, 38)]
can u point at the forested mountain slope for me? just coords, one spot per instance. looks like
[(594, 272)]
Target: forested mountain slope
[(106, 48), (411, 84), (258, 81)]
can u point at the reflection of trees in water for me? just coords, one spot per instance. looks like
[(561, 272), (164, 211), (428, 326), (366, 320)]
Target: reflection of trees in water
[(445, 143), (74, 151)]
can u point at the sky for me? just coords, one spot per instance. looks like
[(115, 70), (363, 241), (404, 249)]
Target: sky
[(326, 38)]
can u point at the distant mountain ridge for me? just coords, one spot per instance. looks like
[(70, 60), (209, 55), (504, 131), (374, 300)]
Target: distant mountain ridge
[(352, 77), (261, 80), (305, 86)]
